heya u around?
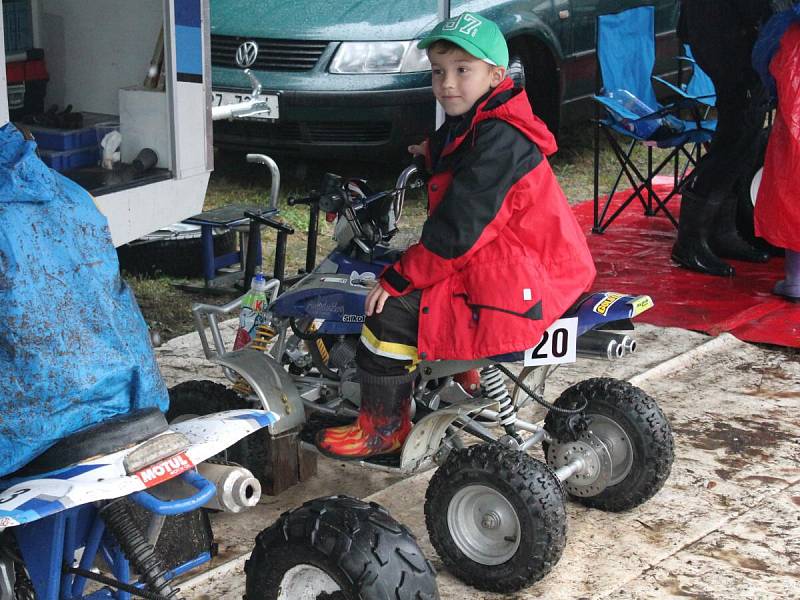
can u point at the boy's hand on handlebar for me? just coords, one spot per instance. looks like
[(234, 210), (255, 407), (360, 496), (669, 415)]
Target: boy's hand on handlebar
[(420, 149), (375, 300)]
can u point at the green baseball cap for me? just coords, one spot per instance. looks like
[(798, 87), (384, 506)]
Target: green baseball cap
[(476, 34)]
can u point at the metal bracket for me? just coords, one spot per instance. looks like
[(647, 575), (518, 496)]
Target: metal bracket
[(426, 436), (271, 383)]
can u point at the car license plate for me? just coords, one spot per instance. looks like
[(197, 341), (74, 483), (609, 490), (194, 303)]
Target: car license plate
[(558, 345), (223, 98)]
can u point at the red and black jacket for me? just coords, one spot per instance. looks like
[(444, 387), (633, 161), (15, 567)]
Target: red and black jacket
[(500, 256)]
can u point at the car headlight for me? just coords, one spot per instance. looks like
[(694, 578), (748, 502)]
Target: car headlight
[(379, 57)]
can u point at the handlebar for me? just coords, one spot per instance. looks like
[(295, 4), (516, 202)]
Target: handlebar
[(401, 186), (308, 200)]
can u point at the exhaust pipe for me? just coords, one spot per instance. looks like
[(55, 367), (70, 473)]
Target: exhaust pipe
[(237, 489), (601, 344), (592, 345), (627, 343)]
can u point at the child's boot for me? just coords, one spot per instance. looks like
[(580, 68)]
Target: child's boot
[(383, 421), (790, 285)]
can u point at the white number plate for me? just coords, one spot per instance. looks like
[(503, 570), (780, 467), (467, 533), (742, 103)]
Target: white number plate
[(557, 345), (223, 98)]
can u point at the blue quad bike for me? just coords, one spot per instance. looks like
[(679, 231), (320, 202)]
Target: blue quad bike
[(99, 515), (494, 513)]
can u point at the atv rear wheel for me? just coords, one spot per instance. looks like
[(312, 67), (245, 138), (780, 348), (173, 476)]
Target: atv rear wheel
[(338, 548), (630, 436), (199, 398), (496, 517)]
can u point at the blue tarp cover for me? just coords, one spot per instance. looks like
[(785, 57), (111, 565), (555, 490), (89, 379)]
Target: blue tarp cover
[(74, 348)]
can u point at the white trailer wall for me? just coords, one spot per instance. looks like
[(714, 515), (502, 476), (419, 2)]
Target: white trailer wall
[(119, 34)]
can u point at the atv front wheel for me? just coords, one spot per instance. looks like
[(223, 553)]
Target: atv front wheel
[(338, 548), (496, 517), (628, 444)]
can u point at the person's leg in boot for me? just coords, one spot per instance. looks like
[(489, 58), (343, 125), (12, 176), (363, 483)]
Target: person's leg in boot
[(691, 249), (385, 357), (383, 421), (726, 241), (721, 44), (789, 287)]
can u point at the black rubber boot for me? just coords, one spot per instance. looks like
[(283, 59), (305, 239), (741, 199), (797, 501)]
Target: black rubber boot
[(726, 241), (383, 423), (691, 249)]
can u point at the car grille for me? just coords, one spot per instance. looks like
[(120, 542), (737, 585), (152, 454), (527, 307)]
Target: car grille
[(273, 55), (308, 132)]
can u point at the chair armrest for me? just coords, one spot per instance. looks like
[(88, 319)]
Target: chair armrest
[(670, 86), (687, 100)]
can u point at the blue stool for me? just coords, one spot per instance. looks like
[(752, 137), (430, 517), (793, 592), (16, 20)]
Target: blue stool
[(230, 217)]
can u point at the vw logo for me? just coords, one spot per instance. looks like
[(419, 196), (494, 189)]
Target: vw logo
[(246, 54)]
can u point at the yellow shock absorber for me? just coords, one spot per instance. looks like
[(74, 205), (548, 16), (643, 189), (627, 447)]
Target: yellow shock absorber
[(323, 351), (263, 336), (242, 388)]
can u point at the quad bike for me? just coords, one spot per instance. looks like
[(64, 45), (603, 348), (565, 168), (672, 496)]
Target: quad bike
[(494, 513), (103, 496)]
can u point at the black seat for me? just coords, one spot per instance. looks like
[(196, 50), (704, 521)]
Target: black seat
[(99, 439), (573, 310)]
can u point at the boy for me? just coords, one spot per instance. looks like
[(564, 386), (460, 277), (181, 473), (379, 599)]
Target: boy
[(500, 256)]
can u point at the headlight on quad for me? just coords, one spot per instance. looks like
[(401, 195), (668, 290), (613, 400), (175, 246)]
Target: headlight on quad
[(379, 57)]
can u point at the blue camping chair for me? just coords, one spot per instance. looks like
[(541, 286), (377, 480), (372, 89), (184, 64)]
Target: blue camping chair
[(698, 92), (627, 107)]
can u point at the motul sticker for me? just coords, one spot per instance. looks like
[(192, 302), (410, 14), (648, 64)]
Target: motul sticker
[(164, 470)]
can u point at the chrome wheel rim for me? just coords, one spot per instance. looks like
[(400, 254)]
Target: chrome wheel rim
[(618, 444), (306, 582), (483, 524)]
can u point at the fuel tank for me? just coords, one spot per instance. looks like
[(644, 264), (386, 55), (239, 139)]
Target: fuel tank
[(336, 298)]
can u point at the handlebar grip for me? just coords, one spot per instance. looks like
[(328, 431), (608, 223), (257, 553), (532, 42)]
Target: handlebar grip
[(307, 200)]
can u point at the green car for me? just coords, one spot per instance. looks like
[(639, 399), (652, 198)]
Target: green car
[(346, 80)]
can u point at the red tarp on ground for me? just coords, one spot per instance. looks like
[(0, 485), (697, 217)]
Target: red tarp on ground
[(633, 256)]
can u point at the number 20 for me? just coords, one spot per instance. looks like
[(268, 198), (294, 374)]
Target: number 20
[(558, 344)]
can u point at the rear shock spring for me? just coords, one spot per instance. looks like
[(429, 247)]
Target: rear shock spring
[(263, 336), (494, 388), (139, 552), (319, 343)]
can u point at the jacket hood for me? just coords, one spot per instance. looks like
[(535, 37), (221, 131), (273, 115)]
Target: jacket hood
[(505, 102), (511, 104)]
